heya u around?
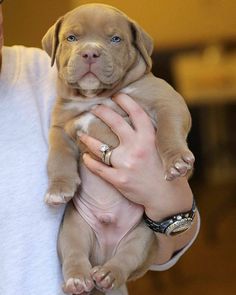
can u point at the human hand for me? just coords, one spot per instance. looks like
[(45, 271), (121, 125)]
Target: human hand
[(137, 170)]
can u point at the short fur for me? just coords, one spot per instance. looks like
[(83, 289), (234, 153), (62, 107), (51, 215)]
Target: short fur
[(124, 66)]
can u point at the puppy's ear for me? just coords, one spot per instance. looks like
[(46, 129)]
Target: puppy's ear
[(50, 40), (143, 42)]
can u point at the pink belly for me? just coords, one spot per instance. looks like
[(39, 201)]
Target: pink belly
[(110, 215)]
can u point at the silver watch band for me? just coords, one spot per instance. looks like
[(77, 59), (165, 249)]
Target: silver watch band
[(168, 225)]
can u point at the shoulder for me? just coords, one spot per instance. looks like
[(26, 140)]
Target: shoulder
[(28, 61), (35, 61)]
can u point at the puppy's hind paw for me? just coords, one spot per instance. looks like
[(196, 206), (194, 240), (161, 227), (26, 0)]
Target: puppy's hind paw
[(78, 285), (105, 278)]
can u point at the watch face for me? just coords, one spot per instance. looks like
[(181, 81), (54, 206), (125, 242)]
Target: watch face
[(179, 226)]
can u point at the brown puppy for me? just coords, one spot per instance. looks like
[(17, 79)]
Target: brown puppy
[(99, 51)]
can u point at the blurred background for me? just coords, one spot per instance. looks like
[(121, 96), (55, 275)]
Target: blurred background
[(195, 51)]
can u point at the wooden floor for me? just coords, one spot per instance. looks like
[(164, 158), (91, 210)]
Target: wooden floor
[(209, 267)]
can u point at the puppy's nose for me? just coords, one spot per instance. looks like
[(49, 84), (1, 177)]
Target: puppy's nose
[(90, 56)]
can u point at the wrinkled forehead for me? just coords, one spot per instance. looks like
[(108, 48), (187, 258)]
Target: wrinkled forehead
[(96, 19)]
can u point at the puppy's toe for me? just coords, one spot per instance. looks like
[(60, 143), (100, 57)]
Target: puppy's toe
[(188, 158), (180, 164), (61, 191), (182, 167), (172, 173), (56, 199), (104, 278), (78, 285)]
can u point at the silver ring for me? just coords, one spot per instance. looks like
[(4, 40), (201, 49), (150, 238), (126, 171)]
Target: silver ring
[(108, 157), (103, 149), (106, 154)]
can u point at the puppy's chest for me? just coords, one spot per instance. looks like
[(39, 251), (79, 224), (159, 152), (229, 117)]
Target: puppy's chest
[(86, 122), (82, 108)]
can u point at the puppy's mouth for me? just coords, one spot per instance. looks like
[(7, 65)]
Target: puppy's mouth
[(89, 74), (89, 82)]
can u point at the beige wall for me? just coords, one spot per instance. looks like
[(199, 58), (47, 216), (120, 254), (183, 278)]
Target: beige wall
[(177, 22), (26, 21), (170, 22)]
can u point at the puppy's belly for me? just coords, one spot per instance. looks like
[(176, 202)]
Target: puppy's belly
[(106, 211)]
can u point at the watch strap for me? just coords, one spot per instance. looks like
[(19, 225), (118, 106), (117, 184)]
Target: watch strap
[(162, 226)]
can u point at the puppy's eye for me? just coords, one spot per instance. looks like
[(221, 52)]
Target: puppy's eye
[(72, 38), (115, 39)]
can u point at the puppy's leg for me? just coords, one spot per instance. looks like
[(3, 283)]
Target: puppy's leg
[(173, 121), (131, 255), (172, 130), (74, 246), (173, 124), (62, 168)]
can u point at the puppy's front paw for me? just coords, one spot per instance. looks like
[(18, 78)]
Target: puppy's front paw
[(78, 285), (61, 191), (180, 163)]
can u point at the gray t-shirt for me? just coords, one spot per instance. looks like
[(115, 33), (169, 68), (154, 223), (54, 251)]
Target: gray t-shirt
[(28, 227)]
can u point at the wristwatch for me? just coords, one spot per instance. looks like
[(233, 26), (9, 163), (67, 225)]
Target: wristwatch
[(172, 225)]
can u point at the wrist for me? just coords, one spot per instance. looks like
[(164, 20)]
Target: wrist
[(170, 199), (173, 224), (161, 212)]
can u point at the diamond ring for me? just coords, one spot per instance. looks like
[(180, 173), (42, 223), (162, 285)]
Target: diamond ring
[(106, 154)]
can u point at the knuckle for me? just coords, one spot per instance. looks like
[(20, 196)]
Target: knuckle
[(123, 181), (138, 153), (130, 165)]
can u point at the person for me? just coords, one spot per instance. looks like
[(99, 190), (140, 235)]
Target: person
[(28, 227)]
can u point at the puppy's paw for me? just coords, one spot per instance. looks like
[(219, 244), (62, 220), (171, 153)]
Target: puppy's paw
[(179, 164), (61, 191), (79, 285), (106, 278)]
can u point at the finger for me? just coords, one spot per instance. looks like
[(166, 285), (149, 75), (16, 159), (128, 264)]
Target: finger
[(116, 122), (93, 144), (108, 173), (139, 118)]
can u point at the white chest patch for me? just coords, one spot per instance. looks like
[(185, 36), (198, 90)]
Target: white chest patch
[(84, 120), (84, 106), (82, 124)]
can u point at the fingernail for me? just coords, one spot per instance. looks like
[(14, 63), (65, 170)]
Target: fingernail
[(84, 155), (79, 133), (94, 107)]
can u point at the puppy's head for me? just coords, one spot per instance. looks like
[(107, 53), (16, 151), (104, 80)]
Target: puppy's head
[(95, 46)]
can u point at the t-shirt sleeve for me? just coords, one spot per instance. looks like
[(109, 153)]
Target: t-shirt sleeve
[(43, 79), (176, 257)]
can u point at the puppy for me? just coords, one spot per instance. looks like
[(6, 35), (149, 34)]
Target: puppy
[(99, 52)]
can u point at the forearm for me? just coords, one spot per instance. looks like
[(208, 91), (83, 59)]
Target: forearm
[(168, 198), (171, 198)]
